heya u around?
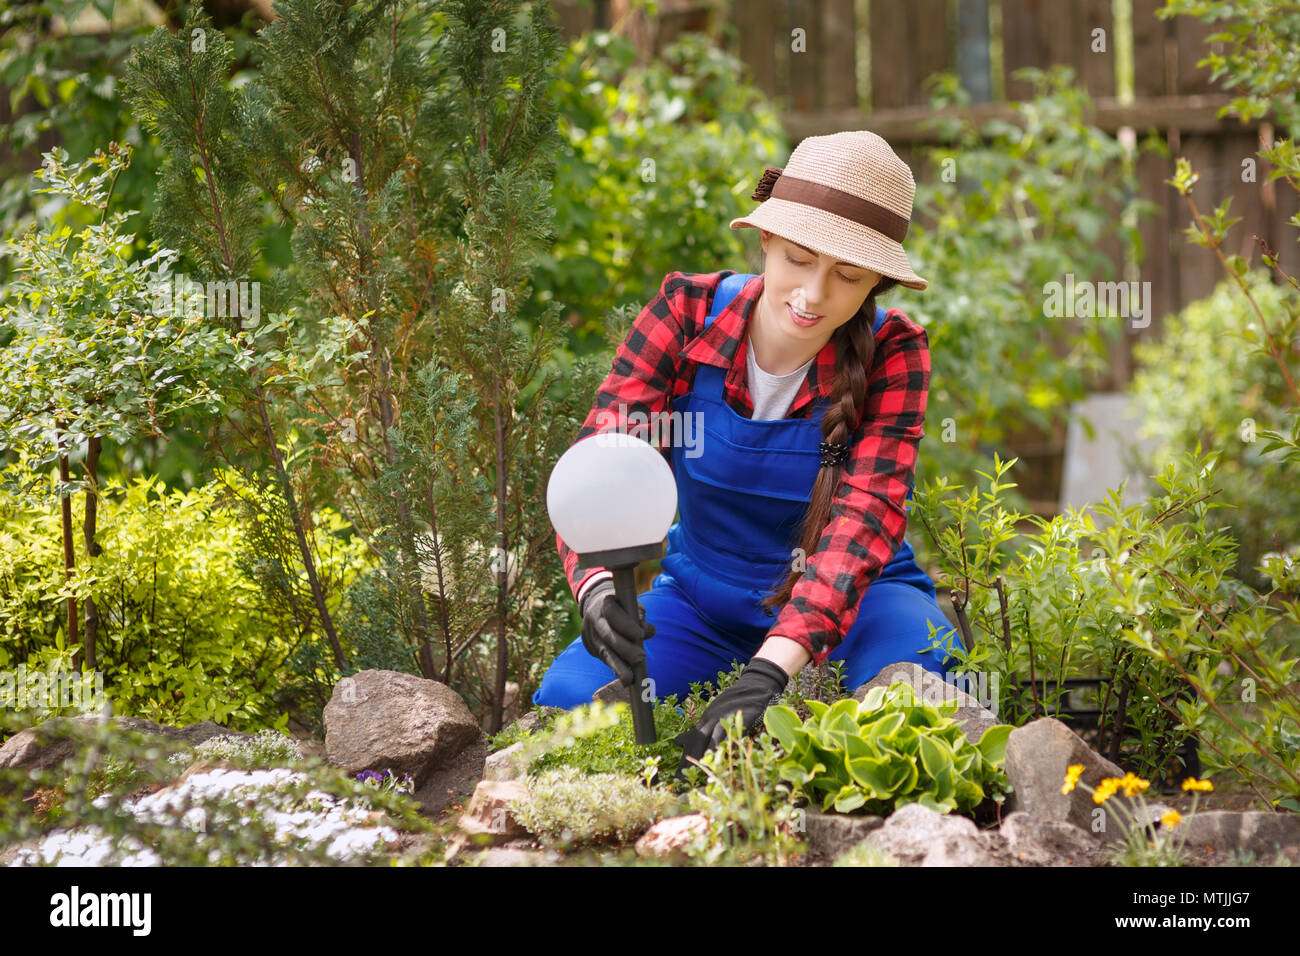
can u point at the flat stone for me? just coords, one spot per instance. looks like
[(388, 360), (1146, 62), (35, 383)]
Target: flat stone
[(612, 693), (505, 764), (47, 745), (1259, 831), (489, 814), (515, 856), (830, 834)]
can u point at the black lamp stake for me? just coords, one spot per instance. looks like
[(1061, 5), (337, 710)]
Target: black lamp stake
[(623, 562)]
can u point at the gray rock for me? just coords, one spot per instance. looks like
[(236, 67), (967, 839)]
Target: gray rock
[(830, 834), (919, 836), (490, 815), (1038, 755), (1037, 842), (379, 719), (531, 722), (1258, 831), (974, 718), (195, 734), (505, 764)]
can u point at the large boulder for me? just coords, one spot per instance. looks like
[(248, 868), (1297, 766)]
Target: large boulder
[(930, 688), (1038, 755), (380, 719)]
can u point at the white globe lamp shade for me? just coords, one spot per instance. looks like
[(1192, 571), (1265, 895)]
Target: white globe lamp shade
[(611, 493)]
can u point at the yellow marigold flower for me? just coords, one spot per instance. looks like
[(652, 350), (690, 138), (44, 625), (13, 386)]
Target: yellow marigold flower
[(1105, 790), (1132, 784), (1191, 783), (1171, 819), (1072, 774)]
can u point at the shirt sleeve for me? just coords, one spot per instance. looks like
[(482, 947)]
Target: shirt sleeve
[(639, 383), (868, 514)]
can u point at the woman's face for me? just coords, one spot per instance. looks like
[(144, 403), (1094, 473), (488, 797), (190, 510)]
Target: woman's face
[(813, 283)]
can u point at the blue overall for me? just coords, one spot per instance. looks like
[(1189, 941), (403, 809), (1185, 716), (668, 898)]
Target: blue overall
[(741, 499)]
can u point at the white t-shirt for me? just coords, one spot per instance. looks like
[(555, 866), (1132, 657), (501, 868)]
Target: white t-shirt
[(772, 395)]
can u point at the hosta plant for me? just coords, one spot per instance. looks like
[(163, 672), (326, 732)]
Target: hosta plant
[(888, 750)]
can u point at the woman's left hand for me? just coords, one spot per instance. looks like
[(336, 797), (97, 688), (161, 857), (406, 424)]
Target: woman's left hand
[(759, 686)]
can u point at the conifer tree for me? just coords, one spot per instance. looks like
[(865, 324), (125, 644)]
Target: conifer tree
[(207, 207), (408, 145)]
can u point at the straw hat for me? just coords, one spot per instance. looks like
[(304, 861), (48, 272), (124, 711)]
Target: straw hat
[(846, 195)]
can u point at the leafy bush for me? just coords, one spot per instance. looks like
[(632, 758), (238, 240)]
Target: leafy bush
[(887, 751), (186, 634), (1228, 411), (267, 749), (568, 807), (1036, 611), (600, 738), (1000, 212), (1147, 605), (751, 811), (657, 159)]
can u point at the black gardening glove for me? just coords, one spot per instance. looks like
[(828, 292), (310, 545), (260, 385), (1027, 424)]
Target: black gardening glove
[(610, 634), (759, 686)]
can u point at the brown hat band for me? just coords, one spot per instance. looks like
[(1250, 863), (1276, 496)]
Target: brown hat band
[(774, 185)]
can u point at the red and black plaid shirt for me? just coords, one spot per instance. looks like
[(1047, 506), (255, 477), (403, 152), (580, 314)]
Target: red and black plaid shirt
[(656, 364)]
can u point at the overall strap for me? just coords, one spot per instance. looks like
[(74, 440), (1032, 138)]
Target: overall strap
[(727, 290)]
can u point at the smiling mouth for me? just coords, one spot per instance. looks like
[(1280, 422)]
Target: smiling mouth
[(801, 319)]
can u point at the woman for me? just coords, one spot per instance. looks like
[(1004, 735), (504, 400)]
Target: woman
[(808, 403)]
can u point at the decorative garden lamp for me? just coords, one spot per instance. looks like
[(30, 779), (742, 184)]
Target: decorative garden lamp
[(612, 498)]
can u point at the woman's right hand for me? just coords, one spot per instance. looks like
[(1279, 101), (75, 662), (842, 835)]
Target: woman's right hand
[(610, 634)]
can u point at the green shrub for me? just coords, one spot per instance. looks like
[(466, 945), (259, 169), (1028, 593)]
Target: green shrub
[(887, 751), (751, 811), (600, 738), (1141, 598), (657, 158), (266, 749), (1036, 609), (1180, 405), (185, 631), (568, 807)]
